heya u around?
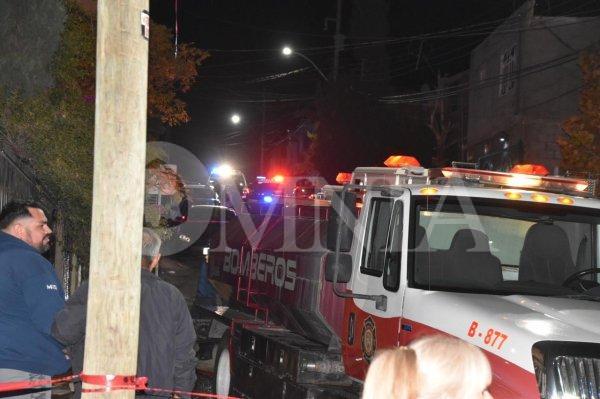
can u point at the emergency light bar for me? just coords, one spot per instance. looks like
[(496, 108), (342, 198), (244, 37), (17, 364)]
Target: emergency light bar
[(530, 169), (343, 178), (397, 161), (222, 170), (277, 179), (519, 180)]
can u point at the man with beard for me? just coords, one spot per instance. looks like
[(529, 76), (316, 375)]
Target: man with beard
[(30, 296)]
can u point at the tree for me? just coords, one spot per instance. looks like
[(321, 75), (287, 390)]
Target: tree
[(580, 148), (54, 130), (440, 127)]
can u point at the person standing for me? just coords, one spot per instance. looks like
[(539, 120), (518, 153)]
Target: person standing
[(166, 352), (30, 296)]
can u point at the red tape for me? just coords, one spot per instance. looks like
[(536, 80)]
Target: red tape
[(22, 385), (111, 382), (107, 383)]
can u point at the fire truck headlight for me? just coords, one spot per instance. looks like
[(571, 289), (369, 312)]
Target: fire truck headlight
[(267, 199)]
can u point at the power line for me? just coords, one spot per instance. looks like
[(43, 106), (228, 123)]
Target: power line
[(454, 90), (460, 32)]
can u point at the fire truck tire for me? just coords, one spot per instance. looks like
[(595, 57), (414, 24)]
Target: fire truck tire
[(223, 368)]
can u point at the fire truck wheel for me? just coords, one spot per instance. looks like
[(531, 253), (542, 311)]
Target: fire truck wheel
[(223, 367)]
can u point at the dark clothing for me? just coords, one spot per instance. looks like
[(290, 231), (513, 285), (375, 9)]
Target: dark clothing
[(166, 352), (30, 296)]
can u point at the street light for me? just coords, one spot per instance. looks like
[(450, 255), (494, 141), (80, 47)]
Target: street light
[(235, 119), (288, 51)]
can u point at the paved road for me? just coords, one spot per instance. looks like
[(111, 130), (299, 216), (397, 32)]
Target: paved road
[(182, 270)]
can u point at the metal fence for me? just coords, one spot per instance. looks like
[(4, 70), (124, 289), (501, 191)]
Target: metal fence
[(14, 182), (17, 183)]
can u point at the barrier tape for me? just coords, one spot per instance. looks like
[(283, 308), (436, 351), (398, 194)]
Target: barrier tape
[(21, 385), (107, 383), (111, 382)]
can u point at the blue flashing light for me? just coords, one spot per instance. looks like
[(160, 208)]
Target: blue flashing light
[(222, 170), (268, 199)]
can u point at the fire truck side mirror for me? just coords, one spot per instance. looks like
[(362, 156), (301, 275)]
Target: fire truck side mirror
[(344, 267), (341, 221)]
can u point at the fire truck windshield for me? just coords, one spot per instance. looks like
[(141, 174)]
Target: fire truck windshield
[(505, 247)]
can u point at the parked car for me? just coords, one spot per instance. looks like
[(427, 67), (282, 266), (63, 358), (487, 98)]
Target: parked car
[(264, 197), (201, 194)]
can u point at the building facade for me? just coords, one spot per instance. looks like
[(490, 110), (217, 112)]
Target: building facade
[(524, 82)]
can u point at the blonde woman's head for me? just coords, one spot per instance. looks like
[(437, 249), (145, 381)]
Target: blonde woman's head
[(451, 368), (392, 374), (433, 367)]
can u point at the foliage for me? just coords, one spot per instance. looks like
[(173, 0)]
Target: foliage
[(54, 130), (581, 147), (169, 75)]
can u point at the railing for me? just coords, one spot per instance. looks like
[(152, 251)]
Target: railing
[(17, 183)]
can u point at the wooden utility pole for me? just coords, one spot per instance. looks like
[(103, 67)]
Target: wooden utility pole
[(119, 157)]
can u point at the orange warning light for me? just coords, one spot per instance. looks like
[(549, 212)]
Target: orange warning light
[(343, 177), (397, 161), (530, 169)]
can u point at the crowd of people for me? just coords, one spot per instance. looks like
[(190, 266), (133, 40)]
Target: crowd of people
[(42, 336)]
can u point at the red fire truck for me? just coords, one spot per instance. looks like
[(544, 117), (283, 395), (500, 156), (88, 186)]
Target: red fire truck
[(507, 261)]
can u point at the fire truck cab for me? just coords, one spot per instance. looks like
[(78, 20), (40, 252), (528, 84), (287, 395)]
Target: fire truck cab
[(506, 261)]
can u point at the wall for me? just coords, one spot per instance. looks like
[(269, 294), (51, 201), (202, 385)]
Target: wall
[(490, 113)]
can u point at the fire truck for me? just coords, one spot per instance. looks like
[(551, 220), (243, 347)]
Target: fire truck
[(507, 261)]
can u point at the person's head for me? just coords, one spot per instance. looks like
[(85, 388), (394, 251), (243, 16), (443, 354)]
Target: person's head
[(150, 249), (393, 375), (435, 366), (26, 221), (451, 368)]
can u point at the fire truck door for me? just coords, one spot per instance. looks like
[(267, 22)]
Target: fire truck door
[(372, 325)]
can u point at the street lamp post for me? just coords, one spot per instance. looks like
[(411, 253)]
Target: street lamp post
[(288, 51)]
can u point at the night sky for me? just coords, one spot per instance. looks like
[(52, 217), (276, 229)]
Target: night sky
[(245, 39)]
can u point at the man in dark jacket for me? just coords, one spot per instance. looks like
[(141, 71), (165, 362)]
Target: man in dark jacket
[(30, 296), (166, 352)]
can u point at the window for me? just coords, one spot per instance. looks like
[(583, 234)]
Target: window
[(508, 68), (482, 73), (393, 259), (466, 244), (374, 250)]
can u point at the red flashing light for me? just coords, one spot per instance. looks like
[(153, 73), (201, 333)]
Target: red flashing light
[(277, 179), (530, 169), (397, 161), (343, 177)]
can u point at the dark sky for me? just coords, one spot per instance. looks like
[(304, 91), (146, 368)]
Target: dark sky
[(245, 38)]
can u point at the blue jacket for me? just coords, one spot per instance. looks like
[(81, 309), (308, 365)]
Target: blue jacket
[(30, 296)]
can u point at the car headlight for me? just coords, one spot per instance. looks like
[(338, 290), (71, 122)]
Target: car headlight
[(567, 370)]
